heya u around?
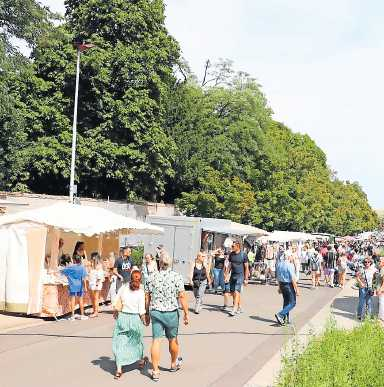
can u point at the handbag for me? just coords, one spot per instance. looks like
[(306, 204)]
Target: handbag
[(370, 291), (196, 282)]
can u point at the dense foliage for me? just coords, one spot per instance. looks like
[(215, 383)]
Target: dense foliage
[(339, 358), (148, 129)]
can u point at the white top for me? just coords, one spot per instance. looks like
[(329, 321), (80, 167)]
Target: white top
[(133, 300), (367, 276), (96, 276)]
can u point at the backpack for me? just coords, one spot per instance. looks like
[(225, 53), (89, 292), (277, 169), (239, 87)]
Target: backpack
[(315, 262)]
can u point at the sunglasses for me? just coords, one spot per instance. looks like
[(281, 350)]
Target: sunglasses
[(367, 262)]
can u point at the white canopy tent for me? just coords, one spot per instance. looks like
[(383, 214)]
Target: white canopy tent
[(225, 226), (29, 237), (85, 220), (365, 235), (287, 236)]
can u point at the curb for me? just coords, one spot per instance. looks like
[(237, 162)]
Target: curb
[(268, 374)]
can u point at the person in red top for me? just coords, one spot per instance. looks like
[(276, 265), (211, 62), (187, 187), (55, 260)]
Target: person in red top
[(324, 250)]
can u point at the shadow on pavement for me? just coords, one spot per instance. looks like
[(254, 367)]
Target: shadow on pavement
[(108, 365), (262, 319), (345, 307)]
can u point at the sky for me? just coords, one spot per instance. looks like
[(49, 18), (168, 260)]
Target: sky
[(321, 66)]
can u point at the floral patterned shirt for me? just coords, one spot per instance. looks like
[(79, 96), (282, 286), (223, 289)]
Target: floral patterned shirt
[(164, 287)]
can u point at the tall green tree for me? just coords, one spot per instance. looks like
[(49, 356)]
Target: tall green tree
[(218, 196), (294, 192), (350, 212), (123, 150), (217, 127), (25, 20)]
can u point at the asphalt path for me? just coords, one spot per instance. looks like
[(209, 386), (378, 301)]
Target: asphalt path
[(218, 350)]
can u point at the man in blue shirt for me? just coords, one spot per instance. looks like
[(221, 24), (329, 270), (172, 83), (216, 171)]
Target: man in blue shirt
[(285, 274), (77, 286)]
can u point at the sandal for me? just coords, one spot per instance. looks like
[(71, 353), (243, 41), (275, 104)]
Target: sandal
[(155, 376), (118, 375), (177, 366), (143, 362)]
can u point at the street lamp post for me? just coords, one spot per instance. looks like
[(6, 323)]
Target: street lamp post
[(80, 46)]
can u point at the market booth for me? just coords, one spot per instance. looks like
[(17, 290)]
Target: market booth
[(287, 236), (30, 280)]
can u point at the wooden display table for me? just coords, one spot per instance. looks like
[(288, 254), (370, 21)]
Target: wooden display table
[(56, 300)]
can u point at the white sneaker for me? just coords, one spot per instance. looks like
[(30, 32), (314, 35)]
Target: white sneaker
[(239, 311), (72, 318), (82, 317)]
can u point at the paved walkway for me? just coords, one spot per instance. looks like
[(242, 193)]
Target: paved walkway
[(218, 350), (11, 321), (340, 311)]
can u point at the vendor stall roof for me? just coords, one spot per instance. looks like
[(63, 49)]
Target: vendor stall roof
[(85, 220), (225, 226), (287, 236)]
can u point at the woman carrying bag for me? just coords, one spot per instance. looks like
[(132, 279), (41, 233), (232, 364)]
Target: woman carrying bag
[(129, 312), (199, 278)]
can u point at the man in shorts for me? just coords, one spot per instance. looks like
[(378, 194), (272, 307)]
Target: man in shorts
[(239, 268), (164, 291)]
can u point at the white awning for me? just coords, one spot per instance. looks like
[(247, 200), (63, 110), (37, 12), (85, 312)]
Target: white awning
[(287, 236), (79, 219), (225, 226)]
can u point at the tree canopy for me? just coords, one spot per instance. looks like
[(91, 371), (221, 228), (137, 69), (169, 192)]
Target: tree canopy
[(149, 129)]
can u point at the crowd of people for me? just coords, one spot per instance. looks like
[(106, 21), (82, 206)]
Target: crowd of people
[(153, 293)]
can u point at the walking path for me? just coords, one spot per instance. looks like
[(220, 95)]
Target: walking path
[(218, 350), (340, 311), (11, 322)]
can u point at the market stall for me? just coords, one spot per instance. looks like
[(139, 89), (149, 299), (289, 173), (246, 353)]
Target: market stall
[(223, 231), (287, 236), (31, 243)]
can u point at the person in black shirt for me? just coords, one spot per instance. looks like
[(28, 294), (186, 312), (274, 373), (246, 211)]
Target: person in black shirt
[(218, 271), (239, 268), (199, 279), (123, 267), (329, 266)]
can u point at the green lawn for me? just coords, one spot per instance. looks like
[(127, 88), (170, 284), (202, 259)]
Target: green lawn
[(339, 359)]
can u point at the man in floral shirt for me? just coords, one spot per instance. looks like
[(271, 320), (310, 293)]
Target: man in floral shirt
[(164, 290)]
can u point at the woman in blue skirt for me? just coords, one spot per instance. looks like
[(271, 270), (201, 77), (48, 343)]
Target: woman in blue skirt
[(127, 341)]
